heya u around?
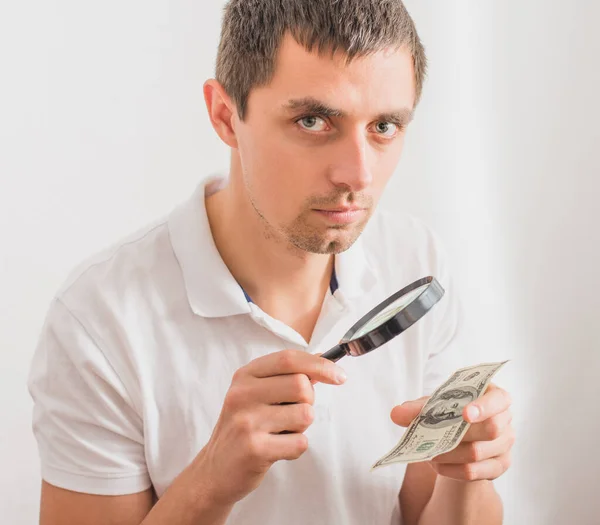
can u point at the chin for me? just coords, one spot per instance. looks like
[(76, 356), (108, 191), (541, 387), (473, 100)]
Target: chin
[(323, 240), (326, 244)]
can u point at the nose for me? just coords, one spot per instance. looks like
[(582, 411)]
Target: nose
[(350, 168)]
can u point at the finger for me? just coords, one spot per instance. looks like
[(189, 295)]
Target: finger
[(493, 402), (290, 388), (314, 381), (296, 362), (489, 429), (403, 414), (289, 418), (284, 446), (477, 451), (489, 469)]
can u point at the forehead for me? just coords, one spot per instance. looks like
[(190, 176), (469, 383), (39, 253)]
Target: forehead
[(368, 84)]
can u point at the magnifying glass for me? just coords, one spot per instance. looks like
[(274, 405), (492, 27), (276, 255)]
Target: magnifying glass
[(389, 319)]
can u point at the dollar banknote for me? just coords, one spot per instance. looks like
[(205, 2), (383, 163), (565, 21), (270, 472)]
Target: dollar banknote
[(440, 427)]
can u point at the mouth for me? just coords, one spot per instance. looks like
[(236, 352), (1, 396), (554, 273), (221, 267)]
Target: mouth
[(342, 214), (342, 209)]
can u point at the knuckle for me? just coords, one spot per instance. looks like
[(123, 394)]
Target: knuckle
[(470, 472), (286, 359), (241, 376), (298, 382), (254, 446), (233, 399), (475, 452), (307, 414), (303, 390), (441, 459), (301, 445), (243, 424), (237, 375), (238, 394), (228, 402), (438, 468), (493, 428)]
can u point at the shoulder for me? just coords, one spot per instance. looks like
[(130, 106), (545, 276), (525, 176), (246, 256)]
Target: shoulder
[(115, 268), (102, 308)]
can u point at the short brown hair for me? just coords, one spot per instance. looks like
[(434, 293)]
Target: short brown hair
[(252, 31)]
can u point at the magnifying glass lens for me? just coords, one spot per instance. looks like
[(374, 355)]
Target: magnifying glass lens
[(389, 312)]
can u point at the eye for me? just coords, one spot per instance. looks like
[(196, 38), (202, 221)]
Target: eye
[(312, 123), (387, 129)]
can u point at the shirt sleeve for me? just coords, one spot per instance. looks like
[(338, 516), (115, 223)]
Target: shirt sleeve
[(446, 348), (89, 435)]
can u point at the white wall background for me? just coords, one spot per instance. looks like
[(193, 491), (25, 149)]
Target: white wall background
[(103, 128)]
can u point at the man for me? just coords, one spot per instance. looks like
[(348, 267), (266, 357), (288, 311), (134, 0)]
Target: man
[(178, 378)]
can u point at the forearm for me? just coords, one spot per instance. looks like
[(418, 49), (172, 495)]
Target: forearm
[(462, 503), (188, 502)]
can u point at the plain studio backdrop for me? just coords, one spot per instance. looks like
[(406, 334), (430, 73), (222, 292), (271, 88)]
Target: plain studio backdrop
[(103, 128)]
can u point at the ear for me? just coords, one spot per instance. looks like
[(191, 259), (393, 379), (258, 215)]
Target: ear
[(221, 111)]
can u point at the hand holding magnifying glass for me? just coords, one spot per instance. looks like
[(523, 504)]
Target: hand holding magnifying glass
[(387, 320)]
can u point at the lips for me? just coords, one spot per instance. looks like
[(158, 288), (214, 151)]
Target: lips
[(341, 210), (346, 215)]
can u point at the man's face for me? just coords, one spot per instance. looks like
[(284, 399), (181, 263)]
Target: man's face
[(304, 164)]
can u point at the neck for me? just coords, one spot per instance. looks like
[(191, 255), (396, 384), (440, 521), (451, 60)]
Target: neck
[(287, 283)]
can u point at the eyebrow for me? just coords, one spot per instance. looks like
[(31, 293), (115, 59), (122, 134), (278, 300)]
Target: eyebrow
[(312, 105)]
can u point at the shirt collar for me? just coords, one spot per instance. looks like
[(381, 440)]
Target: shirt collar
[(354, 273), (333, 286), (211, 289)]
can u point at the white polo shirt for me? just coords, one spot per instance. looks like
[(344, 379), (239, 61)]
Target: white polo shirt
[(140, 344)]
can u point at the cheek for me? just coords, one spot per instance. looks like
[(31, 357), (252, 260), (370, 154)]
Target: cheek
[(286, 175), (384, 165), (278, 182)]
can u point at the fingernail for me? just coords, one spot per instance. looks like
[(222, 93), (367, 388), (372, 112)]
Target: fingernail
[(473, 413), (340, 375)]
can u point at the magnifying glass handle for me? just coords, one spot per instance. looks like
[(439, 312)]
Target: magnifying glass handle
[(336, 353)]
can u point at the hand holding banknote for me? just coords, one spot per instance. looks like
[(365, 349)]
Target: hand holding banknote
[(464, 429)]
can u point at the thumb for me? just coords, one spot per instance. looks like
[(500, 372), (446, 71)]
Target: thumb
[(403, 414)]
